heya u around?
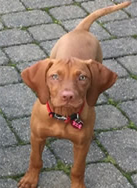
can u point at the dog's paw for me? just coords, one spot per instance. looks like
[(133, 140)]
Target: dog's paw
[(30, 180)]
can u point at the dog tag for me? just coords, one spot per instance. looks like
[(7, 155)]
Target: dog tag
[(76, 122)]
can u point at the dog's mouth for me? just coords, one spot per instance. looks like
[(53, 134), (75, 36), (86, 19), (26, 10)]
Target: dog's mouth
[(69, 104)]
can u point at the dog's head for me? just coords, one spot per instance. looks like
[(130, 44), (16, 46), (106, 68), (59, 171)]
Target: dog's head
[(68, 82)]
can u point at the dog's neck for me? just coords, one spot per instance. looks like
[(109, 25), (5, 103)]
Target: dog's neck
[(64, 111)]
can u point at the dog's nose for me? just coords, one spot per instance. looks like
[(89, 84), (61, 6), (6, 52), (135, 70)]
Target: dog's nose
[(67, 95)]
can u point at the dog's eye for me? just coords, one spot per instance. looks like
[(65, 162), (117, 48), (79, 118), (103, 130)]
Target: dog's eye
[(55, 77), (82, 77)]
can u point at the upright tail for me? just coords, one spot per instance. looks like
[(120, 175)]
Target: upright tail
[(86, 23)]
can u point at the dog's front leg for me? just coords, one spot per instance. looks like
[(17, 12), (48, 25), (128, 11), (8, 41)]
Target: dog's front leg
[(30, 179), (78, 169)]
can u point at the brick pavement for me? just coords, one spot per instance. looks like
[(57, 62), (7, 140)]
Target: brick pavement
[(28, 30)]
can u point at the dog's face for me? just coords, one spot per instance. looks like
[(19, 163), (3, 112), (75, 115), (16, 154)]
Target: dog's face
[(69, 82)]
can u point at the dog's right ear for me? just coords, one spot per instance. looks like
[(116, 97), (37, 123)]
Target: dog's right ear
[(35, 78)]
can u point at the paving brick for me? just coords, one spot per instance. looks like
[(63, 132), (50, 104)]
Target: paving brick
[(134, 178), (115, 67), (43, 3), (105, 175), (48, 45), (132, 9), (17, 100), (122, 146), (8, 183), (1, 26), (129, 63), (119, 47), (96, 29), (130, 108), (3, 59), (67, 12), (23, 65), (94, 154), (13, 37), (25, 19), (54, 179), (10, 6), (22, 53), (8, 75), (122, 28), (46, 32), (5, 134), (108, 117), (83, 0), (102, 99), (15, 160), (123, 89), (22, 128), (91, 6)]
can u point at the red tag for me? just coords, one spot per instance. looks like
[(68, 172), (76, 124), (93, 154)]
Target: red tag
[(77, 125)]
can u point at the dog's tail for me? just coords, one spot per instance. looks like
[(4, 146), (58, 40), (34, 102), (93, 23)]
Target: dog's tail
[(86, 23)]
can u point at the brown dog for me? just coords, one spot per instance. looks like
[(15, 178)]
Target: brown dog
[(67, 85)]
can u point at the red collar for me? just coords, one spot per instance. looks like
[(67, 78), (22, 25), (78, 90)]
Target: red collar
[(73, 119)]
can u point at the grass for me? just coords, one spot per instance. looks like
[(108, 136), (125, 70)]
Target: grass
[(65, 168), (134, 36)]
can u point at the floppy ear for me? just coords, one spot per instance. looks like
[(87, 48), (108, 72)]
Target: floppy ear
[(101, 79), (35, 78)]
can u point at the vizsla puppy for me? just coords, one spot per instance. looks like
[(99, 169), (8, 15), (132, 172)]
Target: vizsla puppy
[(67, 85)]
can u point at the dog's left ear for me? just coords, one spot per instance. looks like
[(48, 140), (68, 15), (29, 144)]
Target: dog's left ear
[(35, 78), (101, 79)]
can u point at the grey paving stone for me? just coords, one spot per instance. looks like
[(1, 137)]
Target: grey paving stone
[(3, 59), (115, 67), (15, 160), (119, 47), (105, 175), (123, 89), (102, 99), (130, 107), (129, 63), (54, 179), (43, 3), (99, 32), (6, 136), (1, 26), (63, 149), (17, 100), (46, 32), (83, 0), (48, 45), (8, 75), (122, 146), (10, 6), (67, 12), (96, 29), (22, 128), (22, 53), (13, 37), (122, 28), (108, 116), (134, 178), (132, 9), (25, 19), (91, 6), (23, 65), (4, 183)]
